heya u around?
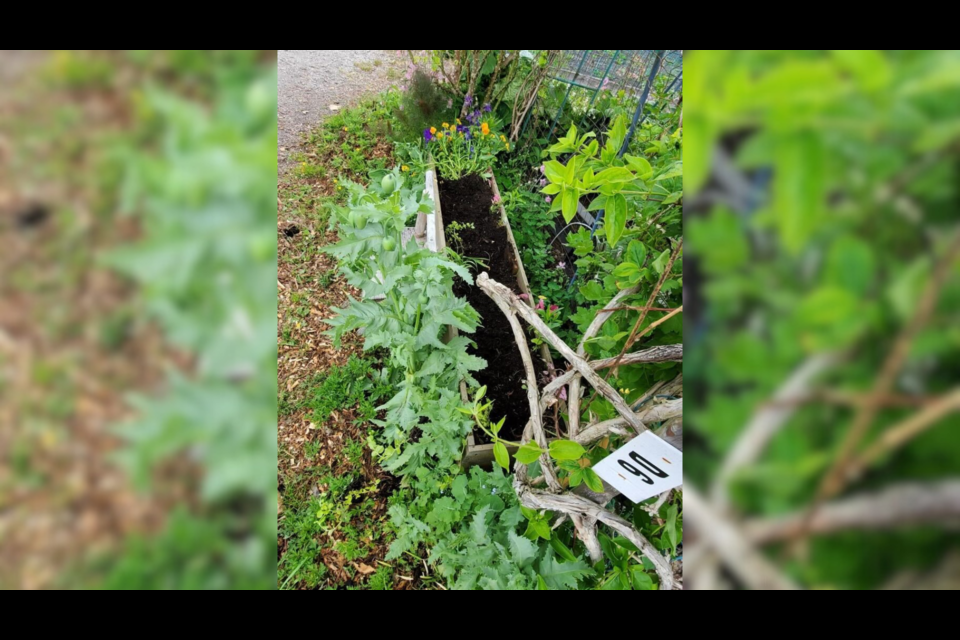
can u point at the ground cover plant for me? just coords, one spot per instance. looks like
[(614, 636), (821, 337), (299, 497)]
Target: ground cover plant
[(447, 528)]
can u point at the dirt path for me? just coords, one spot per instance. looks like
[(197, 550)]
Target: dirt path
[(310, 81)]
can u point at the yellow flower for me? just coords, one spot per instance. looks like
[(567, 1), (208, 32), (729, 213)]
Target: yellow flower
[(485, 128), (358, 148), (508, 146), (446, 126), (503, 138), (542, 297), (433, 130), (345, 129), (458, 121), (404, 167)]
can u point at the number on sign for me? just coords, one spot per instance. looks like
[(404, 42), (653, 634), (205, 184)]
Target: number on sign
[(646, 464)]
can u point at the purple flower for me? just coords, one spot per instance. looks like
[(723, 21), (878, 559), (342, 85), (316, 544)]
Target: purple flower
[(487, 108), (543, 182), (548, 199), (554, 307), (427, 135), (542, 170), (468, 100)]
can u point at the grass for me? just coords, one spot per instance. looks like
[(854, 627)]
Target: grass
[(334, 497)]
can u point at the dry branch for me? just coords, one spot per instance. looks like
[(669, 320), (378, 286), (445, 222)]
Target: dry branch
[(583, 512), (899, 506), (731, 544)]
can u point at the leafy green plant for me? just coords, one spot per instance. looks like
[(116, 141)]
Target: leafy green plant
[(453, 230), (470, 524), (421, 105), (206, 198), (616, 182), (463, 149)]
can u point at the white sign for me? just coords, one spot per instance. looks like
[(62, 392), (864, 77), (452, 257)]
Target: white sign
[(644, 467)]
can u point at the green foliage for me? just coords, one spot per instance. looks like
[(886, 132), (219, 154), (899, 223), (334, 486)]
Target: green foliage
[(356, 384), (471, 524), (207, 268), (419, 305), (861, 149), (622, 186), (422, 105), (475, 543)]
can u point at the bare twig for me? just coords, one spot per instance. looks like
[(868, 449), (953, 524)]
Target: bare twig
[(835, 479), (731, 544), (592, 330), (766, 423), (643, 314), (899, 506), (901, 433)]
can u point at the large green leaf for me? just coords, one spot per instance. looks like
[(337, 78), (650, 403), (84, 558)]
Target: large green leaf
[(615, 218)]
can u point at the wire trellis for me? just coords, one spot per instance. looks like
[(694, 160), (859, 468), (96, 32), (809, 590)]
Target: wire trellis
[(588, 87)]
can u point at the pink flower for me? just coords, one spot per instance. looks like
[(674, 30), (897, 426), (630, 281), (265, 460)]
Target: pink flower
[(542, 170), (553, 307), (563, 393), (540, 305), (496, 199), (561, 265), (548, 199), (543, 182), (524, 296)]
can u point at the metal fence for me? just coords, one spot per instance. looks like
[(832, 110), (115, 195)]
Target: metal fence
[(587, 88)]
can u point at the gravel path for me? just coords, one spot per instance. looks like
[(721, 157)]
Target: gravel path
[(310, 81)]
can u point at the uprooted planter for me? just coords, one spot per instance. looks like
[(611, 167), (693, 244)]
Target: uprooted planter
[(469, 218)]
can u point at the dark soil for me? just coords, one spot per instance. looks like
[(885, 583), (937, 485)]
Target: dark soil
[(468, 200)]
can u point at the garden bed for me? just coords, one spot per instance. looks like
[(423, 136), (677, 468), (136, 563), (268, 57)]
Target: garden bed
[(469, 201)]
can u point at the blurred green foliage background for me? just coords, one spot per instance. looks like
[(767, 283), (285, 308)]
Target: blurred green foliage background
[(822, 213), (153, 173)]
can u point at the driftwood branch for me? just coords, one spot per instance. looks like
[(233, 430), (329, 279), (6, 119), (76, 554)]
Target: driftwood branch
[(766, 423), (499, 293), (570, 503), (900, 506), (532, 397), (731, 544), (591, 332), (583, 512)]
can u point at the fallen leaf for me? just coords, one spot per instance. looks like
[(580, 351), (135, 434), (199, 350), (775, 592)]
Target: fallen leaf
[(365, 569), (334, 107)]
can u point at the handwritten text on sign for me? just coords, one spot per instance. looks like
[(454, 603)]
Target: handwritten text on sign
[(642, 468)]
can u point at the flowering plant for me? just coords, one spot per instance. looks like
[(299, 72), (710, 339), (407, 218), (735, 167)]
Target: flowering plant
[(464, 147)]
